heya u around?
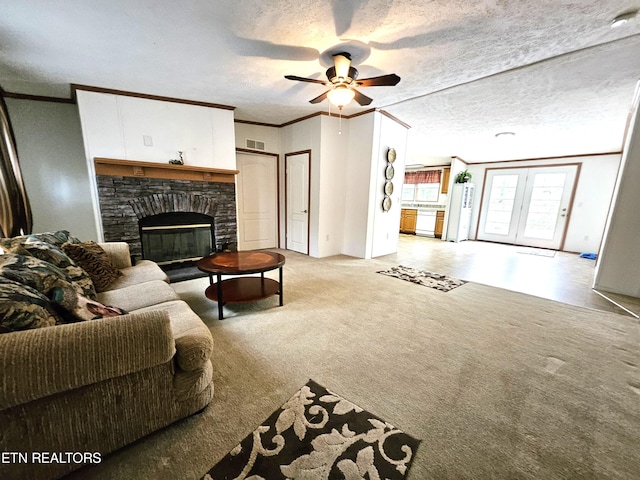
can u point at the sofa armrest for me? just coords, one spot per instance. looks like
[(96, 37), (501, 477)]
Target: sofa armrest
[(44, 361), (118, 253)]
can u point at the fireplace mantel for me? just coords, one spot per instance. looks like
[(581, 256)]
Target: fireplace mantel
[(132, 168)]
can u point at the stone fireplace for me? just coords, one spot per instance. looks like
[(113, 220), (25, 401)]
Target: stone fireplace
[(167, 213)]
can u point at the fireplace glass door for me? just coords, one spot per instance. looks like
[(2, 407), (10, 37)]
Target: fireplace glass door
[(175, 238)]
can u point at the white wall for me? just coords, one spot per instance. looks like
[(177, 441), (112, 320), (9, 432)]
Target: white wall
[(51, 153), (269, 135), (114, 126), (334, 156), (619, 262), (359, 175), (304, 135), (591, 203), (386, 225)]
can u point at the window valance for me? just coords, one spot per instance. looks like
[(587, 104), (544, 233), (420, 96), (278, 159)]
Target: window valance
[(426, 176)]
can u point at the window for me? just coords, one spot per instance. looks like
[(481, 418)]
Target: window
[(422, 186), (427, 192), (408, 192)]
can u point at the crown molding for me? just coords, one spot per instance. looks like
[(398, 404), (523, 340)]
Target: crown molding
[(88, 88)]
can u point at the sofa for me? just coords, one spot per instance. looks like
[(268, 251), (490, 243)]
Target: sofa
[(74, 390)]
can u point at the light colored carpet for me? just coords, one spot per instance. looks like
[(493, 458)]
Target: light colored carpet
[(496, 384)]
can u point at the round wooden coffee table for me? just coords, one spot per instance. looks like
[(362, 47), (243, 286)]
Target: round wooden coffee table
[(241, 289)]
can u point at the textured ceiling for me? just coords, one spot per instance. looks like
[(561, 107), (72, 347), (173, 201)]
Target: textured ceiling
[(552, 71)]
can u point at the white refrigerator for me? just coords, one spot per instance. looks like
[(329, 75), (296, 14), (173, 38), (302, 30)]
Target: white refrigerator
[(460, 212)]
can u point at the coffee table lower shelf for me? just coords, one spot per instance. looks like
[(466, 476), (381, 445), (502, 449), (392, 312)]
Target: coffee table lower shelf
[(243, 289)]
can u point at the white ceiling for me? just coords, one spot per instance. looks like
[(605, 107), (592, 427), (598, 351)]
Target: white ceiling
[(552, 71)]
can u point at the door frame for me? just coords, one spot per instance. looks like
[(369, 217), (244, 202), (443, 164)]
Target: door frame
[(278, 196), (578, 166), (286, 199)]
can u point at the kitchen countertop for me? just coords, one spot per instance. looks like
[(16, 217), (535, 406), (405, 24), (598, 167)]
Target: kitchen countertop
[(423, 207)]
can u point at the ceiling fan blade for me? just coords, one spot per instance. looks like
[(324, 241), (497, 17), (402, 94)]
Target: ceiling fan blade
[(303, 79), (381, 81), (362, 99), (319, 98)]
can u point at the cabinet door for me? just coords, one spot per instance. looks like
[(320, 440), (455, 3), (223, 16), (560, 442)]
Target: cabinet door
[(444, 184), (439, 224), (412, 219), (408, 220)]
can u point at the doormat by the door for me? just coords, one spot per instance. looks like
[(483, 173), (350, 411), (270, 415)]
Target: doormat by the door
[(541, 252)]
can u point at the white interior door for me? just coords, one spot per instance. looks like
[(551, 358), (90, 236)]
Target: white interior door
[(527, 206), (257, 184), (297, 191)]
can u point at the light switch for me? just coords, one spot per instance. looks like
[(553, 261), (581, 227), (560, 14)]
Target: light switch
[(147, 140)]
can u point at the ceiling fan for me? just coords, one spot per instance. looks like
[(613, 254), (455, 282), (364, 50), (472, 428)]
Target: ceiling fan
[(343, 82)]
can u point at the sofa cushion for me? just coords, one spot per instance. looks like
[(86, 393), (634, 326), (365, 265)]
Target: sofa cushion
[(95, 261), (30, 245), (80, 308), (194, 343), (143, 271), (24, 308), (35, 273), (140, 295)]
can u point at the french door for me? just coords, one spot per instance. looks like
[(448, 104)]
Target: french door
[(527, 206)]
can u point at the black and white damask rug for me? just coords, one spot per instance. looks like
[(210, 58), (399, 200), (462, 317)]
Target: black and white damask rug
[(319, 435), (428, 279)]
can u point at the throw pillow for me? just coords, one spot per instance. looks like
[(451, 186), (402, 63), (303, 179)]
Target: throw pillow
[(55, 238), (81, 308), (35, 273), (29, 245), (95, 261), (23, 308)]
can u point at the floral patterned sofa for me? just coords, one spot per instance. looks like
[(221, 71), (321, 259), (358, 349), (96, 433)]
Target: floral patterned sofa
[(95, 353)]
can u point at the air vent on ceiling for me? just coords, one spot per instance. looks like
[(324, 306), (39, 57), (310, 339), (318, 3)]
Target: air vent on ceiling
[(255, 144)]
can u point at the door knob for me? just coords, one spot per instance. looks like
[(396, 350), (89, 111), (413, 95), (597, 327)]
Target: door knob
[(305, 211)]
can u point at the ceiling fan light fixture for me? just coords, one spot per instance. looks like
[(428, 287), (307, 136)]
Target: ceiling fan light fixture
[(342, 64), (341, 95), (623, 18), (505, 135)]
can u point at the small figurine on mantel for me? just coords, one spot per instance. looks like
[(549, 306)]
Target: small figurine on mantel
[(178, 161)]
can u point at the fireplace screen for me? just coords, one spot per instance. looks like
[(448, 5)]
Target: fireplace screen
[(175, 242)]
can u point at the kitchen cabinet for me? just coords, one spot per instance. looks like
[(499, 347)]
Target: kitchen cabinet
[(408, 219), (444, 183), (439, 224)]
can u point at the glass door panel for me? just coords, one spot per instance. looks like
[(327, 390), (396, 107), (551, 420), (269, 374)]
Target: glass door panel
[(544, 205), (501, 204), (501, 199)]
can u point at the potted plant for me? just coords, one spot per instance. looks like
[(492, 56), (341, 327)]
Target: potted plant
[(463, 177)]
